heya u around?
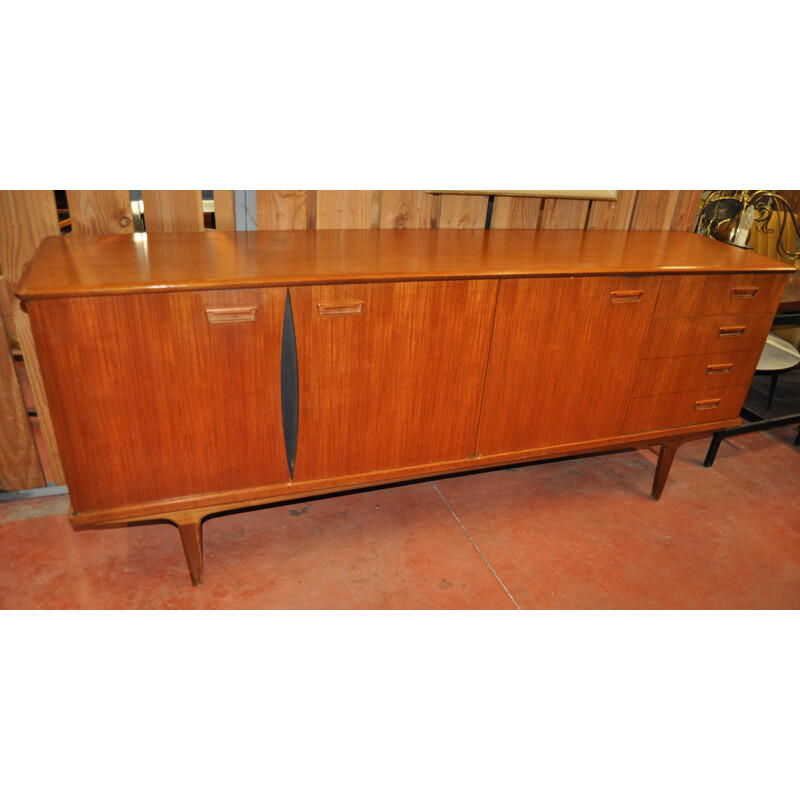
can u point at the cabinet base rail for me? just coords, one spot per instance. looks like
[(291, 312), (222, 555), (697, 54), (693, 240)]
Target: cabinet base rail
[(190, 521)]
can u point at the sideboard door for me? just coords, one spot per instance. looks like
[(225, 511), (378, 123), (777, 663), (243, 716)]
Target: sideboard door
[(564, 357), (390, 374), (164, 395)]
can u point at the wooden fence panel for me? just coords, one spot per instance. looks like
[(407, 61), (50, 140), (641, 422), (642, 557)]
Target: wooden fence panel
[(173, 211), (516, 212), (614, 215), (463, 211), (654, 210), (224, 210), (39, 397), (406, 210), (687, 208), (281, 211), (95, 212), (26, 217), (19, 461), (353, 209), (562, 214)]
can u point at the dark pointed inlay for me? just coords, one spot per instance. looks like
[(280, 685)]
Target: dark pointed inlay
[(289, 389)]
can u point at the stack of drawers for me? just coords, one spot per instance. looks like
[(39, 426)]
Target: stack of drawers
[(703, 346)]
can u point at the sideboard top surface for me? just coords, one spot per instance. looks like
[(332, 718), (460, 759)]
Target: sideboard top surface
[(71, 266)]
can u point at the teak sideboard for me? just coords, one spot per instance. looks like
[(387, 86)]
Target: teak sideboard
[(189, 374)]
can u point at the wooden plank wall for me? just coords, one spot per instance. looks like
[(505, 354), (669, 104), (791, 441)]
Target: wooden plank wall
[(28, 216)]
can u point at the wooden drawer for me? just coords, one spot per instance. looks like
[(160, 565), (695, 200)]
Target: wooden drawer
[(706, 371), (701, 295), (683, 408), (686, 336)]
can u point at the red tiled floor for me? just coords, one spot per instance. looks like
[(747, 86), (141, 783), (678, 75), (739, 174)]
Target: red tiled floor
[(577, 533)]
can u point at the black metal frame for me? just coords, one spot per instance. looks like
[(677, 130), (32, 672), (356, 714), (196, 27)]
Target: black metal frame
[(757, 423)]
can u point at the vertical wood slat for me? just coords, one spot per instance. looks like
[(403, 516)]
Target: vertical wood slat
[(39, 397), (26, 217), (563, 214), (654, 210), (95, 212), (173, 211), (224, 210), (19, 461), (351, 209), (613, 215), (406, 210), (516, 212), (463, 211), (687, 209), (281, 210)]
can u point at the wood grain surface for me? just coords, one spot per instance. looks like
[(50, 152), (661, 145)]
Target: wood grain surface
[(26, 217), (563, 361), (653, 210), (395, 385), (40, 399), (516, 212), (173, 211), (612, 216), (409, 210), (685, 336), (19, 461), (157, 263), (96, 211), (560, 214), (348, 210), (463, 211), (151, 401), (281, 211), (224, 210), (683, 408), (700, 295), (705, 371)]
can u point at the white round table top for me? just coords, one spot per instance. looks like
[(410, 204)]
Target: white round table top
[(778, 354)]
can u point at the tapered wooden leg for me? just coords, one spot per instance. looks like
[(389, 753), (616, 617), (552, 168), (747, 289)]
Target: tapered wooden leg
[(191, 529), (665, 457)]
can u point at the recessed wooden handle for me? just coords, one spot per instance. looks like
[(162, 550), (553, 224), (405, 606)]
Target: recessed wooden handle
[(340, 308), (744, 291), (732, 330), (216, 315), (718, 369), (627, 296), (705, 405)]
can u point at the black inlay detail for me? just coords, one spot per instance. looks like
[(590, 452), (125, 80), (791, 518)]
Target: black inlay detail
[(289, 390)]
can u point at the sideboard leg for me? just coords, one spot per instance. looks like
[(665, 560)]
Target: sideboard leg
[(665, 457), (191, 530)]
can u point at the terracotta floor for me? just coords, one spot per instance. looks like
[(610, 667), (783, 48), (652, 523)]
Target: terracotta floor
[(572, 534)]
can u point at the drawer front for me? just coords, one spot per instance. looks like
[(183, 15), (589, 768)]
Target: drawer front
[(685, 336), (683, 373), (683, 408), (700, 295)]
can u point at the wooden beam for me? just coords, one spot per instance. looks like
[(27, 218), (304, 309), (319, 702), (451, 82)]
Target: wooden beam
[(516, 212), (654, 210), (224, 213), (687, 209), (406, 210), (100, 211), (612, 216), (463, 211), (564, 214), (19, 461), (26, 217), (37, 388), (281, 211), (351, 209), (171, 211)]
